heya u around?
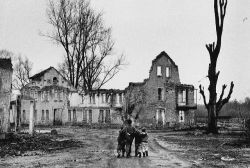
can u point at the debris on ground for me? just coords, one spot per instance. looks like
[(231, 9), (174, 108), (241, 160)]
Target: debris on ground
[(25, 144)]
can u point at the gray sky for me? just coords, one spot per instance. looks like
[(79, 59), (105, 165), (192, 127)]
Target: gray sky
[(141, 30)]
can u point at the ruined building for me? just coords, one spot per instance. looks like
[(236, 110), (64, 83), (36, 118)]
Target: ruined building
[(102, 106), (50, 91), (161, 99), (5, 92)]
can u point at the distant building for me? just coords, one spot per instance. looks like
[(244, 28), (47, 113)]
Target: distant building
[(50, 91), (161, 99), (6, 72), (103, 106)]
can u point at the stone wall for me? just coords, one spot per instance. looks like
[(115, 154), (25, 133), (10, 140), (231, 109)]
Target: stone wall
[(158, 107), (5, 97), (51, 94)]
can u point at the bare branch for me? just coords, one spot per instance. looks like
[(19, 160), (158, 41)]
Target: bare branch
[(203, 95), (222, 102)]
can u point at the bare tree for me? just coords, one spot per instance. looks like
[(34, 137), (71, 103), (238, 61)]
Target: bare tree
[(213, 106), (86, 41), (22, 71)]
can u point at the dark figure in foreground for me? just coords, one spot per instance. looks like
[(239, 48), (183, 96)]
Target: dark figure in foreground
[(143, 147), (137, 141), (129, 132), (121, 143)]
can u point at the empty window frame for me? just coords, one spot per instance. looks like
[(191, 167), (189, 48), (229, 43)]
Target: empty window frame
[(181, 116), (107, 98), (69, 115), (120, 98), (107, 117), (160, 94), (184, 98), (55, 81), (167, 72), (35, 115), (74, 115), (102, 97), (43, 116), (90, 116), (159, 71), (101, 116), (47, 115), (93, 98), (24, 115)]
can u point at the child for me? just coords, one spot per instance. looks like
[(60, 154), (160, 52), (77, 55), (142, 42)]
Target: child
[(121, 143), (143, 147), (137, 141)]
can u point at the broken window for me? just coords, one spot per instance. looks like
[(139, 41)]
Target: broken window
[(90, 99), (120, 98), (24, 115), (84, 116), (184, 96), (114, 98), (47, 115), (160, 96), (107, 98), (93, 97), (55, 81), (101, 116), (159, 71), (181, 116), (107, 117), (90, 116), (35, 115), (43, 118), (102, 98), (167, 72), (69, 115), (74, 115), (160, 117)]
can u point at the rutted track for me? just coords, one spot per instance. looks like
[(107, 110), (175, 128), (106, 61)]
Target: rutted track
[(99, 151)]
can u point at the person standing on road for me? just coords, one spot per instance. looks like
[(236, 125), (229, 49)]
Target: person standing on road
[(143, 147), (137, 140), (129, 132), (121, 143)]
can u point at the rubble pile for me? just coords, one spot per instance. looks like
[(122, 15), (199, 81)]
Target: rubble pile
[(20, 144)]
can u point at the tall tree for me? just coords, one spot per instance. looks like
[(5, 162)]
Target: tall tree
[(87, 43), (22, 71), (213, 106)]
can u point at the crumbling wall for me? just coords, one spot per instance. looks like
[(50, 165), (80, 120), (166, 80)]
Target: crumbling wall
[(5, 97), (150, 87)]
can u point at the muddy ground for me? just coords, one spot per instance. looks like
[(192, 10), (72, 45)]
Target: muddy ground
[(97, 148)]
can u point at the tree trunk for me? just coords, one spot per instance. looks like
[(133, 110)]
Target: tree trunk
[(213, 106), (212, 120)]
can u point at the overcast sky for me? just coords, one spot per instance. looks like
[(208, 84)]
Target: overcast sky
[(141, 30)]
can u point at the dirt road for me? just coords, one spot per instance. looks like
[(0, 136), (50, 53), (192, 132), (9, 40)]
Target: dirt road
[(98, 149)]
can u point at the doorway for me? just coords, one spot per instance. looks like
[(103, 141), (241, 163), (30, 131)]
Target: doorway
[(57, 117)]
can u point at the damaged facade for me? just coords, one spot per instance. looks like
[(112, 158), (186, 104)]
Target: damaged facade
[(5, 93), (102, 106), (50, 91), (161, 100)]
